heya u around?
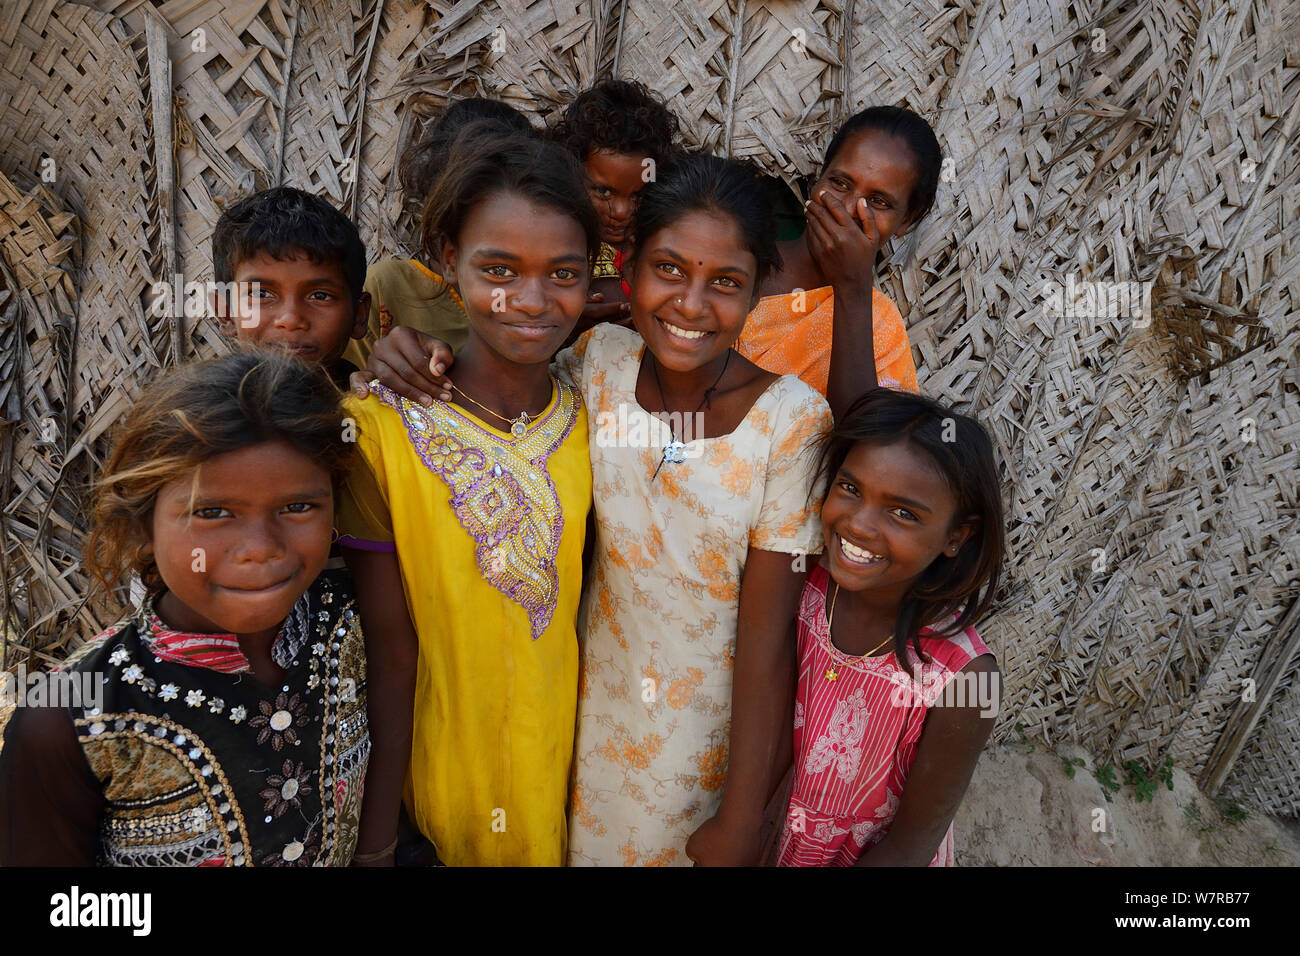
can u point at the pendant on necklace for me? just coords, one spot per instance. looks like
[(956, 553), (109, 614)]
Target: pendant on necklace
[(520, 425), (675, 452), (831, 673)]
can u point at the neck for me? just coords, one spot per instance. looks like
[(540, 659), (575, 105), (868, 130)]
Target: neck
[(876, 604), (505, 387), (178, 616), (686, 389), (804, 268)]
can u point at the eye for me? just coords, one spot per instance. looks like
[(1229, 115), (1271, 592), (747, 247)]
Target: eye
[(728, 283), (847, 487), (258, 292), (669, 268), (300, 507), (904, 514), (499, 272), (565, 275), (838, 183), (604, 192), (212, 514), (322, 296), (880, 202)]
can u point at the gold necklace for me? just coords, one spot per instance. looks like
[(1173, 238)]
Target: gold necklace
[(518, 425), (831, 673)]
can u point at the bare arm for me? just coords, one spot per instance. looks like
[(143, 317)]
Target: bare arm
[(50, 802), (762, 704), (946, 756), (392, 652), (409, 362), (845, 245)]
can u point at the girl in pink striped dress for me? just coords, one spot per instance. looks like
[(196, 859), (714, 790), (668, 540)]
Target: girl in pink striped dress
[(884, 751)]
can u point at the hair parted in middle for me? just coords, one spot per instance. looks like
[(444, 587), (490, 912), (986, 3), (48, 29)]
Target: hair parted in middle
[(484, 160)]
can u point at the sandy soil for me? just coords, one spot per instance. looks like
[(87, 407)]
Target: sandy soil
[(1022, 809)]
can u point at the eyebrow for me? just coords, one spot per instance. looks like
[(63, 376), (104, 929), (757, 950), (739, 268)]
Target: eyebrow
[(845, 174), (306, 494), (671, 254), (910, 502), (328, 280), (480, 254)]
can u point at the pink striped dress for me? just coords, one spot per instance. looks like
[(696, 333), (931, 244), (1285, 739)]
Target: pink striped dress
[(855, 736)]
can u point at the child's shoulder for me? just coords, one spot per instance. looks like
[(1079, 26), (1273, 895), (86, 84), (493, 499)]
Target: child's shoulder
[(953, 650)]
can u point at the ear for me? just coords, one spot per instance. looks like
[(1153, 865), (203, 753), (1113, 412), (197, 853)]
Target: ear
[(361, 321), (224, 313), (959, 535), (448, 252)]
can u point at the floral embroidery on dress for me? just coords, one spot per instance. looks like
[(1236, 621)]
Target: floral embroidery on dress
[(842, 745), (502, 494), (286, 789), (277, 722)]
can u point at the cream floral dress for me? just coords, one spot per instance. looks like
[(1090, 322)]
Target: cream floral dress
[(658, 617)]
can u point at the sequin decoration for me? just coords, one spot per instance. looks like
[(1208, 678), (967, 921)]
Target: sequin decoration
[(501, 492)]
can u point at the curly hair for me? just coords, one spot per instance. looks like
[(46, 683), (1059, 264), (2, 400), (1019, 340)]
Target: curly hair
[(618, 115), (191, 414)]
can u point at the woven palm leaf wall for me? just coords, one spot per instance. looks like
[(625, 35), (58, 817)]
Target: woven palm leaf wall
[(1149, 469)]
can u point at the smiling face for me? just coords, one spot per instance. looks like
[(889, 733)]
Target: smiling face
[(888, 514), (238, 555), (301, 306), (693, 282), (521, 269), (878, 167), (615, 181)]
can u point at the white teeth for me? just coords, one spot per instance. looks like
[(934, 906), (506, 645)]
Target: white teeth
[(854, 553), (683, 332)]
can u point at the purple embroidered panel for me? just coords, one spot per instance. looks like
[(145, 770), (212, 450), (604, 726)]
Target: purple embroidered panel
[(501, 492)]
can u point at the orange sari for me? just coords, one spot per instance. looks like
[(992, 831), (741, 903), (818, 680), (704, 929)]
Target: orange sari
[(791, 335)]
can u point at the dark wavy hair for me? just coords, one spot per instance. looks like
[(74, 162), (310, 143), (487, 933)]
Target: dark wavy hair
[(283, 222), (421, 162), (966, 583), (193, 413), (698, 182), (485, 159), (618, 115), (913, 130)]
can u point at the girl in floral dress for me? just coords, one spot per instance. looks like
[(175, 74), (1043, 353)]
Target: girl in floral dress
[(897, 693), (228, 726)]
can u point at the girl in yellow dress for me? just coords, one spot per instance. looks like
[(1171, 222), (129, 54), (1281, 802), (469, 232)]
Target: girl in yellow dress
[(464, 525)]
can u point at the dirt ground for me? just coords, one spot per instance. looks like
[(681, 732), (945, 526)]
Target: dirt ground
[(1022, 809)]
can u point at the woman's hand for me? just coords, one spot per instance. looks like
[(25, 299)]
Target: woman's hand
[(720, 843), (844, 243), (412, 364)]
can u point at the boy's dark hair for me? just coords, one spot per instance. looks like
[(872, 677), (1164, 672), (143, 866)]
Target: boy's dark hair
[(966, 583), (282, 222), (913, 130), (618, 115), (698, 182), (485, 159), (195, 412), (423, 160)]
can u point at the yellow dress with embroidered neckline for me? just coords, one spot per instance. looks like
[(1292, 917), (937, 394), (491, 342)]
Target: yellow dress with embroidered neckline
[(488, 531)]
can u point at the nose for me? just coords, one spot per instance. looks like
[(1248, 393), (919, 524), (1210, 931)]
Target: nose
[(291, 316), (259, 542), (622, 208), (691, 301), (531, 298)]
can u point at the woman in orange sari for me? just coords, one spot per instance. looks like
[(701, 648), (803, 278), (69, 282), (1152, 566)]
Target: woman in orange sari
[(878, 180)]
